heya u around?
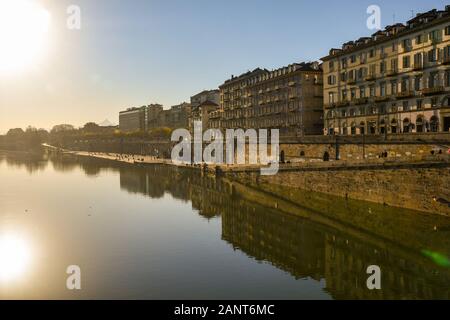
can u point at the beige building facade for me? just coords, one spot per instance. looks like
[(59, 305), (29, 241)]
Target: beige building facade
[(289, 99), (396, 81)]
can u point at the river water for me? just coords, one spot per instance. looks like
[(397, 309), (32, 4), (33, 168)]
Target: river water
[(168, 233)]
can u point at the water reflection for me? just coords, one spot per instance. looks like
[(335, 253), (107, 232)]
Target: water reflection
[(306, 235), (15, 256)]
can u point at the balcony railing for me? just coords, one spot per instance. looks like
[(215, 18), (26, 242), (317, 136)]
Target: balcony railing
[(392, 73), (291, 83), (405, 94), (370, 77), (342, 103), (446, 60), (382, 98), (360, 101), (433, 90), (418, 66)]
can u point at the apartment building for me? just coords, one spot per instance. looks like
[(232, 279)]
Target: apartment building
[(203, 113), (396, 81), (206, 95), (133, 119), (289, 98)]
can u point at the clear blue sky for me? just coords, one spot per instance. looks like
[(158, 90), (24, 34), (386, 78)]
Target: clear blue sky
[(134, 52)]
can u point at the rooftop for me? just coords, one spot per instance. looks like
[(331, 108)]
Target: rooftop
[(421, 20)]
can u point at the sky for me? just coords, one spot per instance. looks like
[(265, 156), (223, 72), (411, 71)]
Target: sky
[(136, 52)]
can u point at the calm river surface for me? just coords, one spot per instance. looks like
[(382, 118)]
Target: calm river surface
[(167, 233)]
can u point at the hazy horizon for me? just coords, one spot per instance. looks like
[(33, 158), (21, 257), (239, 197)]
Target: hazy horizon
[(138, 52)]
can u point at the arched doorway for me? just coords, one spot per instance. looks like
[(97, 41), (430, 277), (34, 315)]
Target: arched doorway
[(406, 125), (362, 128), (344, 129), (372, 127), (434, 124), (382, 126), (420, 124), (394, 125), (353, 129), (331, 131)]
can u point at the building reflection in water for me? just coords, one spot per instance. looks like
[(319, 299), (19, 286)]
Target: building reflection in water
[(307, 235), (292, 241)]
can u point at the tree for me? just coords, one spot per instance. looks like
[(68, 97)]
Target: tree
[(16, 132), (62, 128)]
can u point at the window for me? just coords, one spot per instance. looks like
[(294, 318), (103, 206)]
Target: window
[(351, 75), (405, 105), (332, 80), (434, 102), (383, 89), (406, 61), (394, 87), (405, 84), (344, 76), (394, 65), (353, 93), (419, 39), (373, 69), (418, 60), (417, 83), (362, 92), (372, 91), (394, 47), (344, 62), (372, 53), (433, 80), (344, 95), (407, 45), (353, 58), (331, 65), (331, 97), (361, 73), (447, 30), (435, 35), (419, 104), (382, 67), (432, 55), (447, 54), (447, 78), (363, 57)]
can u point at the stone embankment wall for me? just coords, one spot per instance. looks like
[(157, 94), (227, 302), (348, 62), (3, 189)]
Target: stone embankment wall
[(418, 186)]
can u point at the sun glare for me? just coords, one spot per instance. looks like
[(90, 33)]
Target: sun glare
[(14, 257), (24, 29)]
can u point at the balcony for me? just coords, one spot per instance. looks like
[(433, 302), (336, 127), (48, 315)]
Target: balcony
[(446, 60), (382, 99), (361, 101), (436, 41), (405, 94), (342, 103), (433, 90), (392, 73), (418, 67), (291, 83), (351, 81), (370, 77)]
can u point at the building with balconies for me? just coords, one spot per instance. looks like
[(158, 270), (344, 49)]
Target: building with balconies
[(289, 99), (397, 81)]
